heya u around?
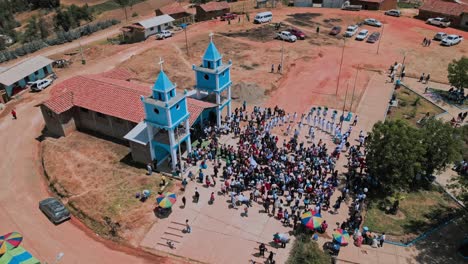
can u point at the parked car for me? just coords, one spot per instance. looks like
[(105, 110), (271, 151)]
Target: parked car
[(438, 21), (228, 16), (351, 31), (286, 35), (164, 34), (373, 37), (296, 32), (335, 30), (372, 22), (451, 40), (347, 6), (39, 85), (54, 210), (440, 36), (263, 17), (362, 34), (393, 12)]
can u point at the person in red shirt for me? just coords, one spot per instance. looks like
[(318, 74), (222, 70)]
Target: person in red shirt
[(13, 113)]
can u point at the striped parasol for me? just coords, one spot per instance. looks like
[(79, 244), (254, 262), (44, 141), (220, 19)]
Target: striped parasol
[(166, 200), (10, 241), (311, 219), (341, 236)]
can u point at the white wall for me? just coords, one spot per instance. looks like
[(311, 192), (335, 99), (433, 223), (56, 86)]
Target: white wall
[(155, 30)]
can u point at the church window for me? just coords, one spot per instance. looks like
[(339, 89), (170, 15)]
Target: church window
[(177, 107), (223, 74), (172, 93), (156, 111), (159, 96), (209, 64), (206, 76)]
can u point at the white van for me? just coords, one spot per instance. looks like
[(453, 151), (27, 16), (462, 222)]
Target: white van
[(263, 17)]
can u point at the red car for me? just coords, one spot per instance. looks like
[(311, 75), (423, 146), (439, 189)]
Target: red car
[(296, 32), (228, 16), (335, 30)]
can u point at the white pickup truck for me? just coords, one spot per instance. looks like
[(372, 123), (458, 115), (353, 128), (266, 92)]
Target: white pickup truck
[(286, 35), (438, 21)]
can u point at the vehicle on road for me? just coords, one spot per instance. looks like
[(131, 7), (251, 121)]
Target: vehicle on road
[(374, 37), (286, 35), (372, 22), (296, 32), (362, 34), (40, 85), (393, 12), (335, 30), (438, 21), (347, 6), (451, 40), (54, 210), (228, 16), (263, 17), (164, 34), (440, 36), (351, 31)]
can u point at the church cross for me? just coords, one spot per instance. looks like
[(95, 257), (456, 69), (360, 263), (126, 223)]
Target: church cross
[(211, 36), (161, 62)]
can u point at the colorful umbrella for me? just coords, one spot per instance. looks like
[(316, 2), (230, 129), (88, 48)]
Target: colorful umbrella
[(10, 241), (311, 219), (166, 200), (341, 236), (18, 256)]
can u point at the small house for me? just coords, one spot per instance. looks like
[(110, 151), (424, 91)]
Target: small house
[(174, 10), (211, 10), (457, 13), (15, 78), (143, 29), (375, 4)]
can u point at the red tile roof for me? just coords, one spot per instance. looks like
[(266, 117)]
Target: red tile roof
[(109, 96), (172, 9), (371, 1), (214, 6), (196, 107), (444, 7)]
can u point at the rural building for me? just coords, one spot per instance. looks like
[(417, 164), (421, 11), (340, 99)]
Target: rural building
[(142, 30), (14, 79), (375, 4), (211, 10), (457, 13), (174, 10)]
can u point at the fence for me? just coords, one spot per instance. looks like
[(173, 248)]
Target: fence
[(184, 20)]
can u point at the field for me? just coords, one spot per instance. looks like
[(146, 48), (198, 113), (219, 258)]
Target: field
[(419, 212), (412, 107), (97, 184)]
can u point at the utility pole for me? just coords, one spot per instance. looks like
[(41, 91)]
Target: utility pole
[(341, 64), (186, 40), (354, 88), (381, 37), (346, 96), (178, 145), (81, 53), (282, 56)]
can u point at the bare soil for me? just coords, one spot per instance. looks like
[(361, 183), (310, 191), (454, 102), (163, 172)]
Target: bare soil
[(97, 183)]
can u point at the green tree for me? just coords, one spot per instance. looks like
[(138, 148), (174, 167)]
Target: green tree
[(458, 73), (124, 4), (442, 145), (64, 20), (394, 156), (32, 30), (306, 251), (43, 28)]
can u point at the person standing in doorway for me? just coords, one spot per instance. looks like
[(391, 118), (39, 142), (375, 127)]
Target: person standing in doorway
[(13, 113)]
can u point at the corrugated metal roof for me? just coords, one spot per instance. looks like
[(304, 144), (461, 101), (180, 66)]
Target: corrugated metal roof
[(156, 21), (23, 69)]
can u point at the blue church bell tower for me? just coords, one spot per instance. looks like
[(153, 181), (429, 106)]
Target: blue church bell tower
[(213, 78)]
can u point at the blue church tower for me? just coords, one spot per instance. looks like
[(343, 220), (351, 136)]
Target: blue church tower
[(167, 119), (213, 78)]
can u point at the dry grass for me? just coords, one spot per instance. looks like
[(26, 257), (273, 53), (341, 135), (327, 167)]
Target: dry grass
[(88, 172)]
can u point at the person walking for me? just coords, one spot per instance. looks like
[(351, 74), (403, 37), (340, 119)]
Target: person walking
[(188, 228), (149, 168), (427, 78), (424, 42), (382, 239), (317, 30), (279, 67), (355, 120), (212, 198), (421, 78), (197, 195), (262, 248), (272, 68), (270, 258), (184, 201), (246, 211), (13, 113)]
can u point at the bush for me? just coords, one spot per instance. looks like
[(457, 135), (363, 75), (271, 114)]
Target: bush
[(306, 251), (135, 14)]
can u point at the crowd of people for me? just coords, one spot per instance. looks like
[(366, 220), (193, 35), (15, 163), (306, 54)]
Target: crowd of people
[(288, 176)]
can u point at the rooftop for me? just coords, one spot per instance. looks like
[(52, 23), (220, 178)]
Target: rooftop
[(212, 53), (23, 69), (172, 9), (214, 6), (444, 7), (155, 21)]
